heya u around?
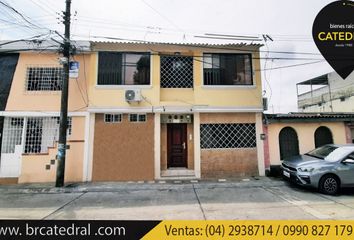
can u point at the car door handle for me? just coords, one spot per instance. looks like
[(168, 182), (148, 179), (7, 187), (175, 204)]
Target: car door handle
[(184, 145)]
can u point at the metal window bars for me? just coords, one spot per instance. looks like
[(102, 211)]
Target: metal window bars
[(44, 78), (236, 135), (134, 117), (40, 133), (112, 118), (12, 134), (176, 72)]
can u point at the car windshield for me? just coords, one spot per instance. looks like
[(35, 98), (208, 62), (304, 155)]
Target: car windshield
[(321, 152), (338, 154)]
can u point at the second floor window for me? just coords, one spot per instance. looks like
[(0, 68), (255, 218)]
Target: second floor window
[(227, 69), (116, 68), (176, 72), (44, 78)]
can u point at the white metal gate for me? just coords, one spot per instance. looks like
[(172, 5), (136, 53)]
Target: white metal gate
[(12, 146)]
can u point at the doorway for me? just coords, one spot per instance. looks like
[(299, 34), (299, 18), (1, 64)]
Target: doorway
[(177, 145), (323, 136), (288, 143)]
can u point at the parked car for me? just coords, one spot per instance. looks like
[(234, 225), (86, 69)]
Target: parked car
[(327, 168)]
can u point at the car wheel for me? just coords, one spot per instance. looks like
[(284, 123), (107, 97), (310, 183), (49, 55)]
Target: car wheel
[(329, 184)]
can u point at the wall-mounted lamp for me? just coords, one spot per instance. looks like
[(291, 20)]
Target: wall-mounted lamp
[(263, 136)]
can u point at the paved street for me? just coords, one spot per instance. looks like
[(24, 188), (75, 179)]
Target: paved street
[(243, 199)]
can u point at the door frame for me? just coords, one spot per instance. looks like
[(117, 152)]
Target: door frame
[(169, 144)]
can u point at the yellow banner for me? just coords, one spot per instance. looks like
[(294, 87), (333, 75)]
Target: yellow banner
[(253, 229)]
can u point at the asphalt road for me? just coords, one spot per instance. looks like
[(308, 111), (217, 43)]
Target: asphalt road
[(243, 199)]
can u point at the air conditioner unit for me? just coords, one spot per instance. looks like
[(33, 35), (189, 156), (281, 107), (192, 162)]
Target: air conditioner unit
[(133, 95)]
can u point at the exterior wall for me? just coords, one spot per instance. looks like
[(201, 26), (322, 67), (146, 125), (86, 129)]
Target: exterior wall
[(163, 144), (228, 162), (33, 167), (123, 151), (305, 133), (337, 88), (126, 151), (190, 146), (337, 105), (266, 147), (20, 100), (230, 96)]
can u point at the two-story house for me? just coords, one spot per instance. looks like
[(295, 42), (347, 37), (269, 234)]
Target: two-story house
[(138, 111)]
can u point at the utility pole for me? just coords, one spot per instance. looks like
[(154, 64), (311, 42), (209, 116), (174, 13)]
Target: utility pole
[(66, 47)]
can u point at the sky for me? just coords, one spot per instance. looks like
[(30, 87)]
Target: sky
[(287, 22)]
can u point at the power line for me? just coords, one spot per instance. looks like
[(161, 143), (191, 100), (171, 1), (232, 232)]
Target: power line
[(19, 14), (45, 4), (41, 7), (163, 16), (24, 39)]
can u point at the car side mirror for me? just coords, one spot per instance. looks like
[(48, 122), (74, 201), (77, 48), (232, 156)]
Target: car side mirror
[(348, 161)]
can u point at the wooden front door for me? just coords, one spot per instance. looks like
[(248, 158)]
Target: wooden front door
[(176, 145)]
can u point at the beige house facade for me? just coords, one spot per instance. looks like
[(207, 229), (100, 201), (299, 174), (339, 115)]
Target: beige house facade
[(297, 133), (137, 111)]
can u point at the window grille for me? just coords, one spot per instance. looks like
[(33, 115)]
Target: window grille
[(176, 72), (42, 132), (12, 134), (241, 135), (112, 118), (137, 117), (44, 78), (227, 69)]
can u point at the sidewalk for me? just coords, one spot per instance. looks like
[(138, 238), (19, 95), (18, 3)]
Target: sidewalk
[(139, 185), (254, 198)]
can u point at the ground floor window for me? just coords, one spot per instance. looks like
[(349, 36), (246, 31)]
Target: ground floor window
[(39, 133), (137, 117), (235, 135), (112, 118)]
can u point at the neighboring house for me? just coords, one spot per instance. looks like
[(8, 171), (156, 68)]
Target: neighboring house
[(31, 82), (297, 133), (138, 111), (326, 93)]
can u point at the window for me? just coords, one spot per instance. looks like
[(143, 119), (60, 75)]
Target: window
[(116, 68), (216, 136), (176, 72), (44, 78), (137, 117), (112, 118), (227, 69), (40, 133)]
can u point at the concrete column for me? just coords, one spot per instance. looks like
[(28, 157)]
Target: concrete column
[(23, 144), (196, 130), (157, 145), (91, 138), (260, 147), (85, 168)]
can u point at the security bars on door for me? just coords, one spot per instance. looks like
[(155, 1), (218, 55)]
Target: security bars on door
[(176, 72), (218, 136), (40, 134), (12, 134), (44, 78)]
